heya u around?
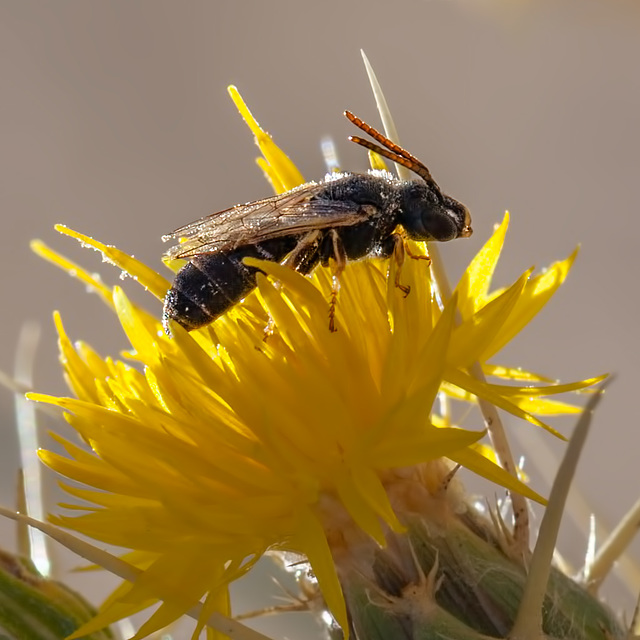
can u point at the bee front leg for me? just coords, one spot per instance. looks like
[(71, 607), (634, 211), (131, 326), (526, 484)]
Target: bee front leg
[(399, 248), (337, 267), (415, 256)]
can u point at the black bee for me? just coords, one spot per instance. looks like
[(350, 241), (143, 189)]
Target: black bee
[(345, 217)]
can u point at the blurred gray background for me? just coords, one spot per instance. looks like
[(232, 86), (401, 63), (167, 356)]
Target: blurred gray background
[(115, 121)]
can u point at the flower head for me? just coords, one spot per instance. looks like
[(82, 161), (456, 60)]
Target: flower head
[(206, 449)]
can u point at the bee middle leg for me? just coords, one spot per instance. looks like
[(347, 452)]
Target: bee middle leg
[(339, 256)]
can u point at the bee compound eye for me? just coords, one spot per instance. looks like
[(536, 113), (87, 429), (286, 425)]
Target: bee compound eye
[(442, 226)]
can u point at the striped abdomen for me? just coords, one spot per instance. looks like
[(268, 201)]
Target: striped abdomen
[(211, 283)]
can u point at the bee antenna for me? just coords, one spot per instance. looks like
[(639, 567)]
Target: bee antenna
[(395, 152), (417, 168)]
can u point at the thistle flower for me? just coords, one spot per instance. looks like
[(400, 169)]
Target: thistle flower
[(210, 448)]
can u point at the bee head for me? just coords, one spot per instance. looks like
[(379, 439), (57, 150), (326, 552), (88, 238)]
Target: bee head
[(428, 214)]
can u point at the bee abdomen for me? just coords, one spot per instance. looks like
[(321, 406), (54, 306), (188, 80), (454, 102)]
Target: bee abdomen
[(211, 283)]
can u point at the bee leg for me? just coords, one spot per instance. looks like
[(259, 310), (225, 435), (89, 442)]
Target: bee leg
[(416, 256), (305, 247), (337, 267), (399, 248), (295, 260)]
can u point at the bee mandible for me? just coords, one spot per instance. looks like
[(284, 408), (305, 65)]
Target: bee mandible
[(346, 216)]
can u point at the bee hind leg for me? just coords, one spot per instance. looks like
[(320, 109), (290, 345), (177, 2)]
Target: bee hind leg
[(302, 257)]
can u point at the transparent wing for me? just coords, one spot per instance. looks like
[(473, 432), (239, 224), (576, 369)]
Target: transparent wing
[(289, 213)]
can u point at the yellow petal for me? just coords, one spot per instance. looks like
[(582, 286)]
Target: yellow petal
[(148, 278), (376, 162), (270, 175), (535, 296), (476, 279), (513, 373), (362, 514), (483, 467), (483, 390), (312, 539), (287, 173), (546, 390), (92, 281), (421, 447), (470, 339)]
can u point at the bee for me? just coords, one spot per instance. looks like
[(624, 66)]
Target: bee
[(346, 216)]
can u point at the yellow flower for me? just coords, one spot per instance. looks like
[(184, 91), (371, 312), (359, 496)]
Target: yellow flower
[(209, 448)]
